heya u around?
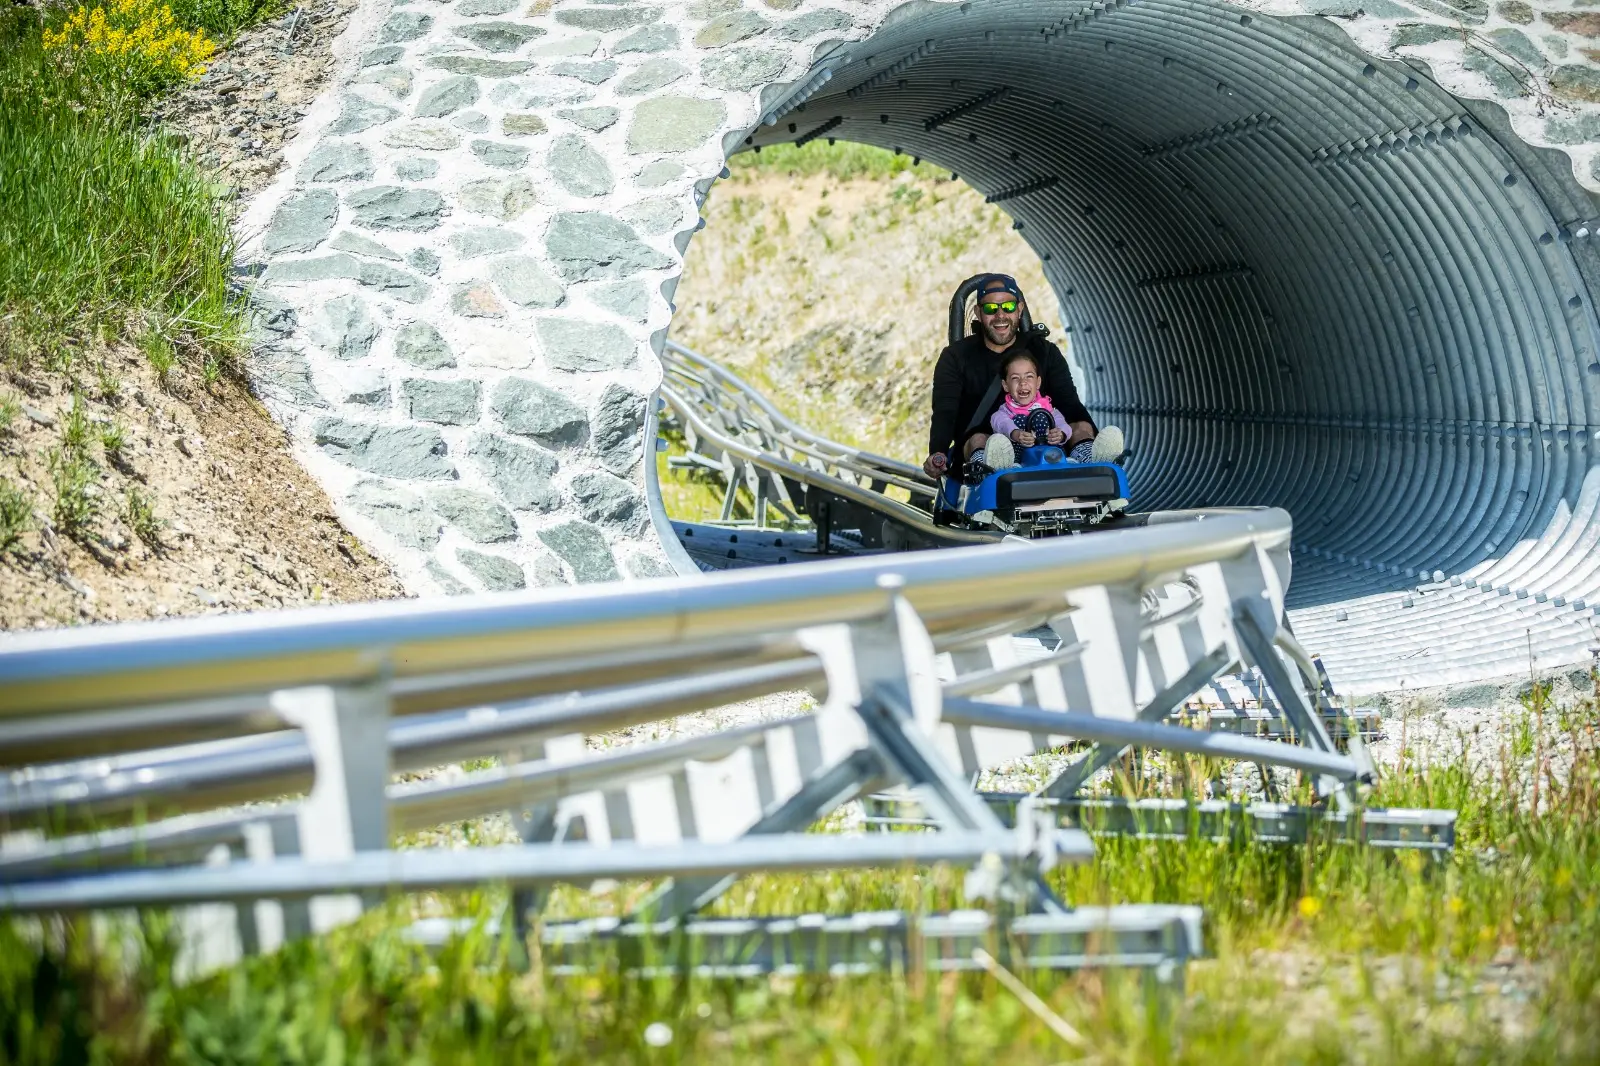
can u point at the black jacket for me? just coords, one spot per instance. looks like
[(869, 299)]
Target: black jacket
[(964, 372)]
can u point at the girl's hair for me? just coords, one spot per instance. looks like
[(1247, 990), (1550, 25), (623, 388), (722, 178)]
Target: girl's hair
[(1005, 367)]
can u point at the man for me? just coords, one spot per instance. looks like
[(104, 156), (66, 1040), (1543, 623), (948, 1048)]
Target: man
[(966, 370)]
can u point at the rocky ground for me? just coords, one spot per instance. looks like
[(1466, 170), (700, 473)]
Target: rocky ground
[(209, 467), (236, 118)]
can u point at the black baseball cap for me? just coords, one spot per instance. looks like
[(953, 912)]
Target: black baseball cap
[(993, 283)]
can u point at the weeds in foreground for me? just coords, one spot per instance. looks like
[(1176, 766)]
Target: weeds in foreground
[(9, 410), (1322, 954), (139, 512), (16, 516)]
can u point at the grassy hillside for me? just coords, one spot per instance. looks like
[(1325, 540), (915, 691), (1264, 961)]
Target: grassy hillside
[(824, 276)]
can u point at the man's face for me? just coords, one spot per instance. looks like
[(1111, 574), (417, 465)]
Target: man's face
[(999, 324)]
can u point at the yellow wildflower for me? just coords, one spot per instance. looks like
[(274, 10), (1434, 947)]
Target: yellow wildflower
[(134, 43), (1310, 907)]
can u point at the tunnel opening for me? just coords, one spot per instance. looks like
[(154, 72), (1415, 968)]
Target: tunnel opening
[(1297, 276)]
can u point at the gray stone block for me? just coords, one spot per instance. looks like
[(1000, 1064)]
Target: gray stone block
[(497, 154), (499, 36), (332, 161), (1576, 83), (578, 168), (404, 26), (1574, 130), (301, 222), (577, 345), (393, 207), (656, 214), (730, 28), (502, 198), (359, 244), (472, 121), (521, 473), (449, 403), (742, 69), (483, 68), (479, 516), (591, 118), (523, 124), (548, 571), (377, 57), (416, 168), (607, 19), (643, 564), (583, 547), (616, 431), (1515, 11), (586, 245), (526, 284), (588, 73), (269, 318), (1515, 43), (497, 573), (387, 279), (448, 583), (608, 500), (478, 8), (1508, 81), (674, 124), (657, 174), (393, 79), (350, 328), (397, 512), (393, 451), (367, 387), (421, 345), (629, 299), (423, 260), (280, 373), (429, 136), (447, 97), (359, 114), (648, 39), (829, 20), (476, 300), (484, 240), (651, 75), (529, 409)]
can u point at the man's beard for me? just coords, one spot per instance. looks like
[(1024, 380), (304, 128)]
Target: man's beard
[(994, 338)]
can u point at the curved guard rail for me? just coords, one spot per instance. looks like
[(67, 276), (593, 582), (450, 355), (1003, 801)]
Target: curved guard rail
[(1144, 619)]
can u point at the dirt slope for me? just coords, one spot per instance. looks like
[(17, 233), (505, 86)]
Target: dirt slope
[(833, 295)]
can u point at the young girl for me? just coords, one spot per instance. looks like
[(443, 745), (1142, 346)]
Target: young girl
[(1027, 418)]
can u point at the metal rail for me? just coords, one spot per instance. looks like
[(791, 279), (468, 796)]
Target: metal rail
[(331, 702)]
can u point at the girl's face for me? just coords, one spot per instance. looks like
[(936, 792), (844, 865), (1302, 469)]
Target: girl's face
[(1022, 382)]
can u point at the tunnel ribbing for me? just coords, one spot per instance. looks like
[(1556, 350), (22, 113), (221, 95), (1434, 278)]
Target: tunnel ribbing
[(1296, 275)]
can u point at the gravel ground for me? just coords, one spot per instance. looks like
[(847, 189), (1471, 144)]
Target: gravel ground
[(236, 118)]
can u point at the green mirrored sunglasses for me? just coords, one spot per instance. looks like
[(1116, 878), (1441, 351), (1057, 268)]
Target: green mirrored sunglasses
[(1009, 306)]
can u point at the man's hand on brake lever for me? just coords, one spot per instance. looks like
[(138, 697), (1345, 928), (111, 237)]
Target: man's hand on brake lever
[(935, 465)]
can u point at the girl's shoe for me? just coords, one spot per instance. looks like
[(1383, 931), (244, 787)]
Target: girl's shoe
[(998, 453), (1108, 445)]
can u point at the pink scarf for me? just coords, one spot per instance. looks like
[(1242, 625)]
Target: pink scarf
[(1038, 401)]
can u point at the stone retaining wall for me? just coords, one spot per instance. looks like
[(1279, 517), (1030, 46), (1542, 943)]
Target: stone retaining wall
[(464, 271)]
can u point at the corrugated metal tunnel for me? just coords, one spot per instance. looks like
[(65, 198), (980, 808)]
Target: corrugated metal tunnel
[(1297, 276)]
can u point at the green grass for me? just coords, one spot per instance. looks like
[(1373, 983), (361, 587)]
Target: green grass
[(843, 161), (1322, 954), (222, 19), (103, 227), (16, 515)]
